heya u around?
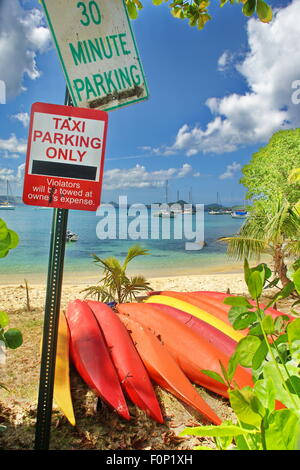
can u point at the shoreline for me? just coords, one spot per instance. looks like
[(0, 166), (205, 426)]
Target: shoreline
[(84, 277)]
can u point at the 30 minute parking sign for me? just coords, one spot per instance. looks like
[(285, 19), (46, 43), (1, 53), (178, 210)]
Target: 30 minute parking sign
[(98, 52)]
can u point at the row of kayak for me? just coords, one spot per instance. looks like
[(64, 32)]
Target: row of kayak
[(168, 340)]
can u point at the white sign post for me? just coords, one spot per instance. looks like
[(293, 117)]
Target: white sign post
[(98, 52)]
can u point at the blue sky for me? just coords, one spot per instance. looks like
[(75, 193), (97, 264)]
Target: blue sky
[(216, 96)]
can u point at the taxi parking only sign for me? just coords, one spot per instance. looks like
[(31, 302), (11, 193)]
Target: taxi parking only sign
[(65, 157), (98, 53)]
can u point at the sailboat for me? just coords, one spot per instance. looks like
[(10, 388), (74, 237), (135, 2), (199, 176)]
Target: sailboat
[(6, 205), (218, 211)]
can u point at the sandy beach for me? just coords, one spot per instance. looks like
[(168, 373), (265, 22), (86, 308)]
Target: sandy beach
[(13, 296)]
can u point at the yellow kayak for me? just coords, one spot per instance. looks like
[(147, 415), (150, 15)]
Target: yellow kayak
[(62, 388), (197, 312)]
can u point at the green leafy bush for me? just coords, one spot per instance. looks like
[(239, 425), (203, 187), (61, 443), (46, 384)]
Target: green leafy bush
[(267, 415)]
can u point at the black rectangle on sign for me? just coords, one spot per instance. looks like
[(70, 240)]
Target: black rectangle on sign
[(65, 170)]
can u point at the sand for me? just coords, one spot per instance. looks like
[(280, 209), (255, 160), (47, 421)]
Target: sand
[(13, 296)]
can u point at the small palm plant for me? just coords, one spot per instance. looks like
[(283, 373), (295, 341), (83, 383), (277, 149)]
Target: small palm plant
[(116, 285)]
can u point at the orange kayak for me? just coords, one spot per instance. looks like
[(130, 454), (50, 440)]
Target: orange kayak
[(188, 307), (132, 374), (164, 370), (190, 351), (91, 356), (207, 331)]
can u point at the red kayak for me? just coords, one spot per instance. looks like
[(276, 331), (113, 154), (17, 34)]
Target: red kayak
[(164, 370), (91, 356), (191, 351), (220, 296), (209, 332), (131, 371)]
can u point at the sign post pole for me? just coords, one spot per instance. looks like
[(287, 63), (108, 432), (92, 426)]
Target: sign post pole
[(52, 308)]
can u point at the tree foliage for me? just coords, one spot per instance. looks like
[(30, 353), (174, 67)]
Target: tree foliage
[(269, 169), (272, 228), (196, 12)]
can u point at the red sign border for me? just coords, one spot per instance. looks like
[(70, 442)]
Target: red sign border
[(71, 111)]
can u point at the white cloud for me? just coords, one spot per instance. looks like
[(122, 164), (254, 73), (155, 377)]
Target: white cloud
[(269, 69), (24, 118), (231, 170), (139, 177), (13, 176), (23, 34), (12, 146), (224, 61)]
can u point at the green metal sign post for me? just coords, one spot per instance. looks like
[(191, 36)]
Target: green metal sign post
[(50, 332)]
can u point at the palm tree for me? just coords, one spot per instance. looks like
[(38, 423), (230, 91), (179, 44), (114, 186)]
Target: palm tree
[(272, 228), (116, 285)]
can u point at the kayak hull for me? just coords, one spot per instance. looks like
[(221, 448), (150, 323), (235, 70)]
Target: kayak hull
[(191, 352), (164, 370), (188, 307), (210, 333), (131, 371), (62, 388), (91, 356)]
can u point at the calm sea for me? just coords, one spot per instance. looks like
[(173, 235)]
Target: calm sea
[(166, 257)]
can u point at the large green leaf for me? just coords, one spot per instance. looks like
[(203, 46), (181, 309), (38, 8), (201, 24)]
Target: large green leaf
[(249, 7), (246, 350), (217, 431), (255, 284), (265, 392), (264, 11), (13, 338), (3, 230), (4, 320), (246, 406), (283, 431)]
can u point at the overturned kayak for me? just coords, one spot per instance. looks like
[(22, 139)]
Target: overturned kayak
[(164, 370), (131, 371), (209, 332), (62, 388), (191, 351), (187, 307), (91, 356)]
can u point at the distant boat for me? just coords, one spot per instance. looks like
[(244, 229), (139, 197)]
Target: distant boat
[(71, 236), (162, 213), (239, 214), (6, 205)]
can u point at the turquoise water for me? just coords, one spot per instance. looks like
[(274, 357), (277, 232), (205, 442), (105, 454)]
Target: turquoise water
[(166, 257)]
